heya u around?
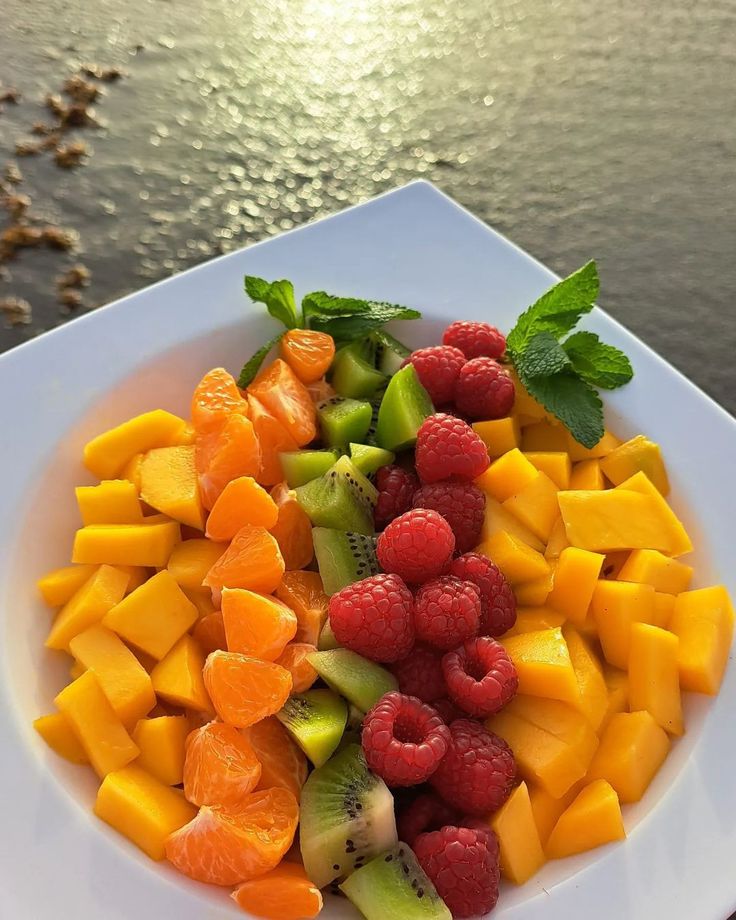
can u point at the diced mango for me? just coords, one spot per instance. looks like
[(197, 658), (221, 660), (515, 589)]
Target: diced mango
[(521, 853), (202, 600), (604, 447), (576, 577), (547, 809), (58, 586), (553, 463), (497, 518), (122, 678), (76, 670), (191, 560), (664, 605), (557, 540), (169, 484), (142, 808), (703, 622), (637, 455), (617, 684), (587, 474), (178, 679), (592, 690), (154, 617), (162, 742), (106, 455), (558, 719), (615, 606), (679, 540), (57, 732), (633, 747), (649, 567), (99, 594), (543, 436), (614, 562), (103, 736), (499, 435), (126, 544), (507, 475), (592, 819), (534, 593), (543, 664), (132, 471), (517, 561), (114, 501), (535, 505), (532, 619), (526, 407), (654, 682)]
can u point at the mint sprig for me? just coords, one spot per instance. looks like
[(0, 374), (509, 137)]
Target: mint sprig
[(278, 296)]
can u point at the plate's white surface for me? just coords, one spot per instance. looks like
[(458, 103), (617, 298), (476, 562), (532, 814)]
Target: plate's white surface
[(413, 246)]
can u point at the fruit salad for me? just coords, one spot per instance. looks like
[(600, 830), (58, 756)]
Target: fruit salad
[(377, 623)]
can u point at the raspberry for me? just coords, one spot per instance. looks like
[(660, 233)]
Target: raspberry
[(420, 674), (437, 368), (484, 390), (480, 676), (448, 710), (426, 813), (461, 504), (396, 488), (374, 617), (475, 340), (463, 864), (417, 545), (478, 771), (404, 740), (497, 601), (446, 611), (448, 446)]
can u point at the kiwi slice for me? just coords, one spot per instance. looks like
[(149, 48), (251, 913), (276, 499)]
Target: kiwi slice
[(353, 373), (375, 401), (343, 558), (300, 466), (389, 352), (342, 420), (355, 721), (346, 817), (404, 407), (360, 681), (395, 885), (316, 720), (368, 459), (343, 498), (327, 639)]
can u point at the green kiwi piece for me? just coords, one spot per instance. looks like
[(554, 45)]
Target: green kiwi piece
[(343, 558), (346, 816), (393, 884), (369, 459), (342, 499), (327, 639), (300, 466), (316, 720), (389, 352), (360, 681), (370, 435), (352, 373), (404, 407), (342, 420)]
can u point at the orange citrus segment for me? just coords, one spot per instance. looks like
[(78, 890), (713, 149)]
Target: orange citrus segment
[(245, 690), (304, 593), (320, 390), (209, 632), (273, 439), (253, 561), (220, 766), (241, 502), (283, 764), (285, 893), (286, 397), (226, 454), (294, 659), (309, 354), (293, 529), (256, 625), (216, 397)]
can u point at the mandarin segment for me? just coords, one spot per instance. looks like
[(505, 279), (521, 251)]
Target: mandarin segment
[(283, 763), (284, 395), (252, 561), (308, 353), (220, 766), (241, 502), (256, 625), (295, 659), (293, 529), (245, 690), (225, 455), (209, 632), (273, 439), (284, 893), (215, 398), (304, 593)]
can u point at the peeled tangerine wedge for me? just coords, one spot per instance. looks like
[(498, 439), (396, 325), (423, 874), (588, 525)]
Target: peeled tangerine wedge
[(256, 625), (593, 818), (220, 765), (245, 690), (304, 593), (521, 852), (253, 561), (282, 762), (241, 502), (284, 893)]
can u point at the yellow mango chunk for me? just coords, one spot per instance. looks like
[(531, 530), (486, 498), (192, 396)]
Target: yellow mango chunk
[(496, 518), (142, 808), (137, 575), (664, 605), (499, 435), (162, 743), (148, 544), (154, 617), (533, 619), (634, 456), (177, 678), (654, 680), (588, 475), (122, 678), (592, 690), (616, 606), (703, 622), (57, 732), (649, 567), (517, 561), (169, 484), (520, 849), (558, 719), (543, 436), (535, 505), (114, 501), (547, 809), (76, 670), (557, 540), (614, 563), (526, 408), (107, 454), (543, 664), (592, 819), (534, 593), (103, 736), (99, 594), (58, 586), (507, 475), (679, 540), (576, 577), (604, 447), (617, 684), (132, 471), (202, 600), (553, 463), (191, 560), (633, 747)]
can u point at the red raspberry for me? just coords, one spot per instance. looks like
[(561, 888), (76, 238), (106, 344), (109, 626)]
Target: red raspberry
[(426, 813), (374, 617), (478, 771), (480, 676), (420, 674), (437, 368), (446, 611), (497, 601), (417, 546), (447, 446), (463, 864), (484, 390), (475, 340), (396, 488), (404, 740), (448, 710), (461, 504)]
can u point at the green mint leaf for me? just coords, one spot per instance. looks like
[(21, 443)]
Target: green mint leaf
[(319, 302), (558, 310), (253, 365), (573, 401), (385, 338), (601, 365), (278, 297), (348, 327), (543, 356)]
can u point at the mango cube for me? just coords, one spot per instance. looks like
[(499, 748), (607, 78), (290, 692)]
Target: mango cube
[(497, 518), (517, 561), (202, 600), (107, 454), (637, 455), (615, 561), (114, 501), (587, 475), (703, 622), (122, 678), (557, 540), (535, 505), (526, 408), (576, 577), (132, 471), (57, 732), (604, 447), (191, 560), (547, 809), (99, 594), (533, 619), (633, 747), (543, 665), (521, 853), (543, 436), (177, 678), (499, 435), (76, 670), (592, 819), (553, 463), (679, 541), (142, 808), (59, 585), (507, 475), (558, 719), (592, 690), (616, 606), (617, 685), (169, 484), (664, 606), (154, 617), (162, 743), (649, 567), (654, 682), (103, 736), (534, 593), (144, 544)]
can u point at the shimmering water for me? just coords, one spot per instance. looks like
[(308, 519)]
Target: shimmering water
[(578, 129)]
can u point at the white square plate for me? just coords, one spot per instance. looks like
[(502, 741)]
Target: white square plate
[(412, 246)]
